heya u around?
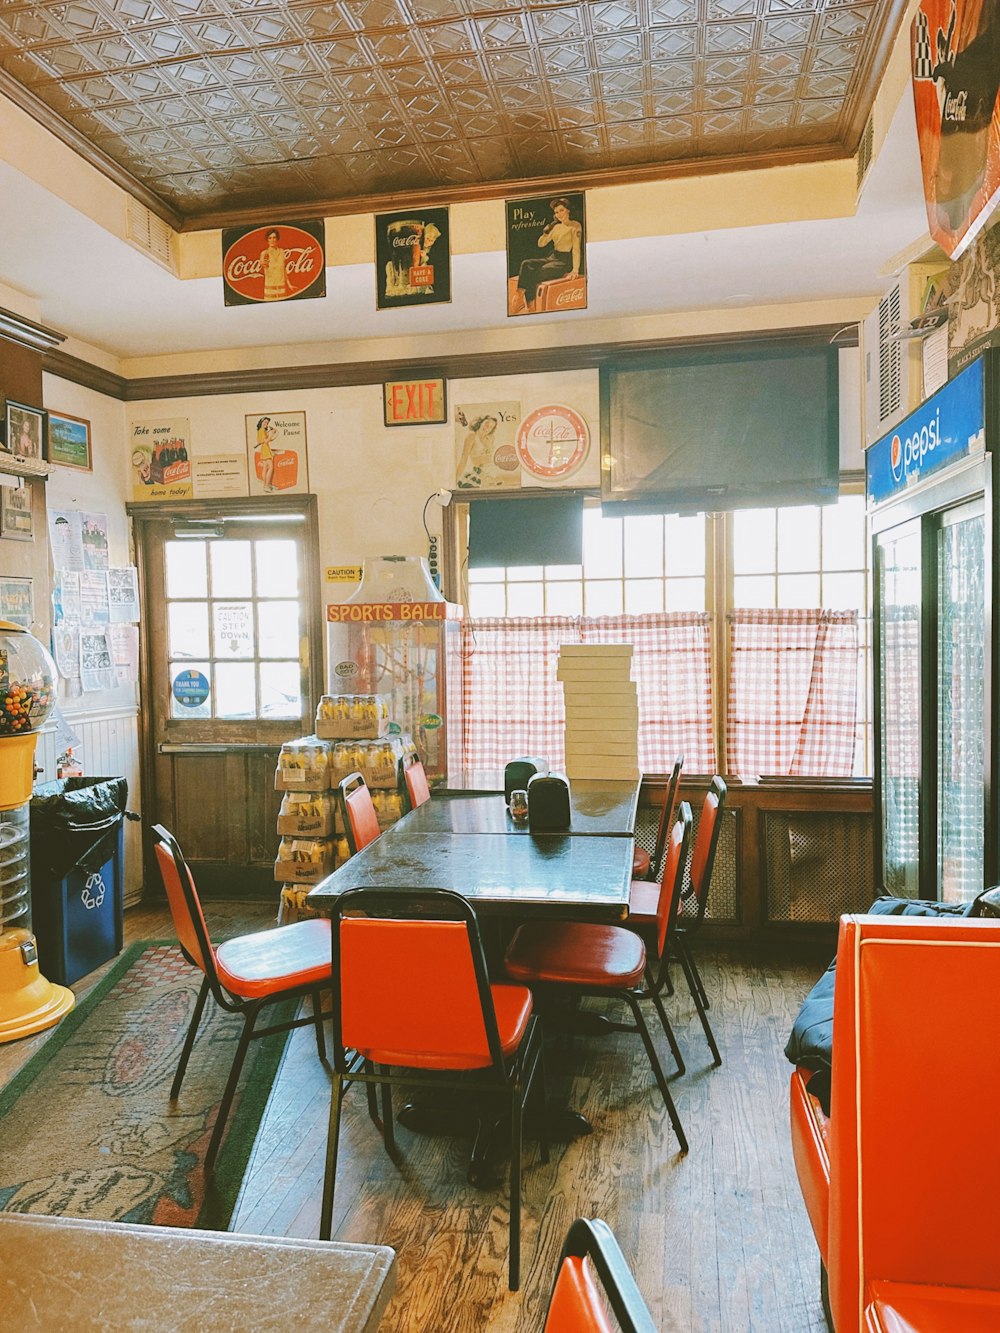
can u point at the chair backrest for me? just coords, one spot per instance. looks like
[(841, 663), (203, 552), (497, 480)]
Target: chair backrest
[(672, 885), (706, 842), (417, 787), (414, 984), (577, 1304), (360, 819), (185, 906), (666, 818)]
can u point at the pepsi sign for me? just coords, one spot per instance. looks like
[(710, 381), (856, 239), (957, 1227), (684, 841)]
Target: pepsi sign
[(951, 425)]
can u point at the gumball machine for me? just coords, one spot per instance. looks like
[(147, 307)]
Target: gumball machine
[(28, 1002)]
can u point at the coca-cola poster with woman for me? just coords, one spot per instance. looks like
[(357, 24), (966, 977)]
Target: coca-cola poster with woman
[(283, 261), (412, 258), (546, 254)]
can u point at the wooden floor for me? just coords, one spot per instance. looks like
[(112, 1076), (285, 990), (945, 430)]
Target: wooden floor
[(719, 1240)]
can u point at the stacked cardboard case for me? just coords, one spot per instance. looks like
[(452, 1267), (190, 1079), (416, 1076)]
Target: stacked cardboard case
[(602, 710), (310, 821)]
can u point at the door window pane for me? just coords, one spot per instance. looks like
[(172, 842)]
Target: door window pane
[(277, 568), (798, 590), (798, 538), (232, 629), (643, 595), (603, 597), (564, 599), (602, 546), (235, 690), (643, 546), (843, 532), (277, 628), (685, 594), (280, 689), (753, 543), (187, 629), (753, 591), (186, 566), (231, 572), (685, 543), (525, 599), (487, 599)]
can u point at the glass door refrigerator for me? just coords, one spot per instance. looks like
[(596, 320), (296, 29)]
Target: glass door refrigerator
[(933, 523)]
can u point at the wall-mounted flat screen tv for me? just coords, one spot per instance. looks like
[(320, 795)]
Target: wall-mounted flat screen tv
[(725, 427)]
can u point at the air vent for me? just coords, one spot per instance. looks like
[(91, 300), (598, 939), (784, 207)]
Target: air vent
[(148, 233), (890, 380), (865, 148)]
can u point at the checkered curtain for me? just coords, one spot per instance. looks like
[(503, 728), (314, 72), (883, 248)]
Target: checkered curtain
[(793, 680), (512, 703)]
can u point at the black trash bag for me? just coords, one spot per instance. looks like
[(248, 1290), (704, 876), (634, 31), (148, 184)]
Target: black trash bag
[(74, 823)]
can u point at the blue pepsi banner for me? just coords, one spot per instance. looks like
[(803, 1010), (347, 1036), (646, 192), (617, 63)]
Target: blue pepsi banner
[(949, 426)]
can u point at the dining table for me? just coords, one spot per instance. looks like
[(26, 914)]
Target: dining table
[(467, 841)]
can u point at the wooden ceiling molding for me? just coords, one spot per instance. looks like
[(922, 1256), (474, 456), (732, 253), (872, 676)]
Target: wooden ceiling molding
[(220, 112)]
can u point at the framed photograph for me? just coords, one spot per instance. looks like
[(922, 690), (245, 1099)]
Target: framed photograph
[(412, 258), (546, 254), (15, 512), (276, 453), (69, 441), (26, 434)]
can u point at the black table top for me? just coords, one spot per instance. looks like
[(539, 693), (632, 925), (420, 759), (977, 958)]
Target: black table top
[(597, 809), (587, 878)]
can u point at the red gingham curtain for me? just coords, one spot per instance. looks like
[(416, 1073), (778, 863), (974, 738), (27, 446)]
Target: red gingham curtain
[(512, 703), (792, 692)]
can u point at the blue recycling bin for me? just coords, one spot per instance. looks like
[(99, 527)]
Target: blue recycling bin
[(77, 874)]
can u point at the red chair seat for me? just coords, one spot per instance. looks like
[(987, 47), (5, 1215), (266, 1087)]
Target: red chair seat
[(513, 1010), (643, 897), (640, 863), (577, 1305), (901, 1307), (811, 1151), (576, 953), (253, 966)]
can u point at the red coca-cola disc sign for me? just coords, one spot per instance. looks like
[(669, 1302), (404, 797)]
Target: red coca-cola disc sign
[(283, 261)]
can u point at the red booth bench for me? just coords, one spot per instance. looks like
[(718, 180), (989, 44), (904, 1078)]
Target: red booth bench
[(902, 1180)]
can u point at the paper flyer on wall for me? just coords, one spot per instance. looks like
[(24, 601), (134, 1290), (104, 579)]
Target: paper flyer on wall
[(66, 595), (94, 535), (66, 649), (66, 539), (123, 595), (94, 606), (97, 667), (125, 649)]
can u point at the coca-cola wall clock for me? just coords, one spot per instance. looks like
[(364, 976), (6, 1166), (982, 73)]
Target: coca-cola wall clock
[(283, 261)]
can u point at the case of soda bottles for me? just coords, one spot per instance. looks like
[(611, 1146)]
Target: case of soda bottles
[(303, 765), (352, 716)]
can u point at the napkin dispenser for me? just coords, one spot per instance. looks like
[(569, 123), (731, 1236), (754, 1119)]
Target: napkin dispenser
[(548, 802), (519, 773)]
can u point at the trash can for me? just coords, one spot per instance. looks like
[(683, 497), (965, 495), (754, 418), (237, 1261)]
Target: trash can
[(77, 873)]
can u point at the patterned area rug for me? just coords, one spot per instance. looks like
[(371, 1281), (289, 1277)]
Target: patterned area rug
[(87, 1127)]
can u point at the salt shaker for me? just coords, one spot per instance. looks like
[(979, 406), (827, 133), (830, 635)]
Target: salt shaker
[(519, 806)]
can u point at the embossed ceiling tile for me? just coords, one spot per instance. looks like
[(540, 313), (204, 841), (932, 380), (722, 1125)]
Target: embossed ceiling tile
[(329, 176), (716, 97), (500, 31), (796, 6), (769, 117), (241, 68), (367, 15), (433, 11), (134, 12), (68, 97), (266, 97), (196, 135), (425, 102), (825, 84), (396, 44), (218, 34), (167, 43), (581, 145), (565, 58), (453, 157), (626, 137), (348, 142), (289, 61), (332, 119), (530, 120), (677, 103), (192, 76), (372, 115), (730, 9), (468, 101), (240, 129), (57, 62), (573, 117), (344, 53), (78, 19), (217, 102), (608, 16), (835, 57), (790, 31), (727, 69), (571, 90), (781, 64), (403, 163), (406, 81), (92, 124), (673, 130), (729, 37), (318, 22), (673, 43), (492, 6), (433, 129), (774, 90), (358, 83), (494, 158), (392, 136), (620, 82), (839, 25), (673, 11), (624, 49), (122, 119), (557, 25), (539, 154), (447, 38), (623, 108), (34, 28), (673, 74), (310, 92), (511, 65), (363, 170), (819, 111), (459, 72)]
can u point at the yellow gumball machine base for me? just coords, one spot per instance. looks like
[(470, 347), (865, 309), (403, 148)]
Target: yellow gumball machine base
[(28, 1002)]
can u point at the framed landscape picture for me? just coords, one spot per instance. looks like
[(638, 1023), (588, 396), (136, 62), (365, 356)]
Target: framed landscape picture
[(25, 431), (69, 441)]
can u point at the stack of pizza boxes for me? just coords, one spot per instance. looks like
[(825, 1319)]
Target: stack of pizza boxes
[(602, 710)]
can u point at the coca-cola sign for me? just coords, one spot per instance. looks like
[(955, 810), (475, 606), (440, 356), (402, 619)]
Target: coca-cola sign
[(283, 261)]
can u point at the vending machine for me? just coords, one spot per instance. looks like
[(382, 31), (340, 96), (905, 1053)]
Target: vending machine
[(932, 509)]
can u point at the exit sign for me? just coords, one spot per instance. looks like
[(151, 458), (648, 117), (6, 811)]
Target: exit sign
[(414, 402)]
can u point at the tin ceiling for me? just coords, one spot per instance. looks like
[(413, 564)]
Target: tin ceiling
[(216, 111)]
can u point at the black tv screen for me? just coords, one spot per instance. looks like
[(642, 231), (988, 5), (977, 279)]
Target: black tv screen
[(721, 428)]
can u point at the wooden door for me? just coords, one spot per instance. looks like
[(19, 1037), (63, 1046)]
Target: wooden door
[(231, 668)]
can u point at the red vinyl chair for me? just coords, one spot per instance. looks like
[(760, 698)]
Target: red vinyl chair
[(645, 866), (244, 974), (691, 909), (360, 819), (415, 1000), (578, 1304), (587, 958), (417, 787)]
